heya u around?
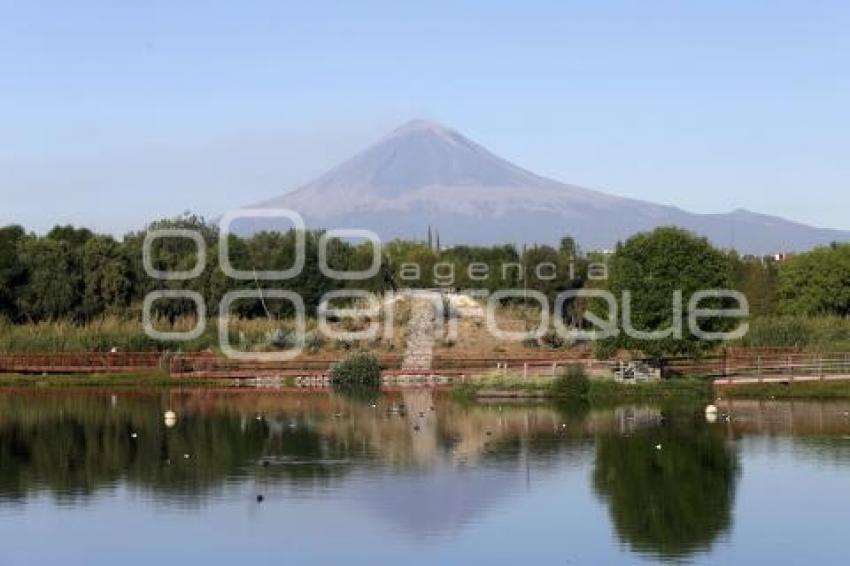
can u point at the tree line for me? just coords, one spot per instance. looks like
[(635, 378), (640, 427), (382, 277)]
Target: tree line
[(76, 274)]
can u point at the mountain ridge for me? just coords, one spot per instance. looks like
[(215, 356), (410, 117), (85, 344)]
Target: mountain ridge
[(423, 173)]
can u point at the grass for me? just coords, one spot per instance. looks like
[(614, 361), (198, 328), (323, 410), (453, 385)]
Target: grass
[(598, 390), (63, 336), (153, 378), (509, 381), (501, 382), (799, 390), (127, 334), (824, 333), (680, 388)]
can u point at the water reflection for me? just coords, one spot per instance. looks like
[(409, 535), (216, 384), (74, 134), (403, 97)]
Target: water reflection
[(414, 461), (671, 489), (72, 443)]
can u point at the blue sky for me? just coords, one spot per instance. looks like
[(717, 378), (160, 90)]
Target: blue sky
[(116, 113)]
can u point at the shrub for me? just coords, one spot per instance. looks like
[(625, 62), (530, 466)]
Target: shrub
[(361, 368), (572, 383), (314, 342), (278, 338), (553, 340), (345, 345), (354, 324)]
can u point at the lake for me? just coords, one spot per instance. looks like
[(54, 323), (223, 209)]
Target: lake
[(97, 476)]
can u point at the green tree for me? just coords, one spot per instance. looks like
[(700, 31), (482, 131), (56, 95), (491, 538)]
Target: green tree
[(490, 271), (11, 269), (172, 254), (553, 271), (652, 267), (76, 237), (544, 270), (817, 282), (53, 285), (403, 254), (569, 247), (757, 278), (106, 276)]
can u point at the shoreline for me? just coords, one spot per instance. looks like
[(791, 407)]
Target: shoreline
[(483, 387)]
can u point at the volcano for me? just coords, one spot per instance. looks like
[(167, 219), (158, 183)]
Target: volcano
[(423, 174)]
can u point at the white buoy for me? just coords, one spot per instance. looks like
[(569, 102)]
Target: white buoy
[(170, 418), (711, 413), (658, 447)]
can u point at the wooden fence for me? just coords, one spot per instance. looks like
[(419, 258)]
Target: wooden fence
[(80, 362), (209, 366), (758, 367), (735, 366)]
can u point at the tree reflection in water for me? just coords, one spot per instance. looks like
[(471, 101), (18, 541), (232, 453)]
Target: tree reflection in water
[(670, 488), (448, 461), (73, 444)]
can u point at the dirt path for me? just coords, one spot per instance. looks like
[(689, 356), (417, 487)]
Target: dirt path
[(420, 333)]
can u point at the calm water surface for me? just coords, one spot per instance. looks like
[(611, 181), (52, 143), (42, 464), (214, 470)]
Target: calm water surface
[(96, 477)]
